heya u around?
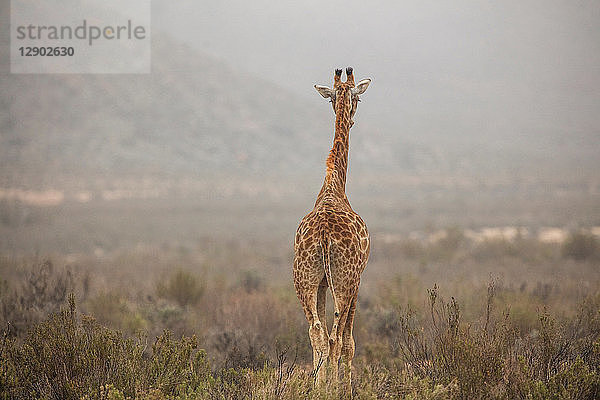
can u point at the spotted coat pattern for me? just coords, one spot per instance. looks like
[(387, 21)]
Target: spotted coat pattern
[(331, 249)]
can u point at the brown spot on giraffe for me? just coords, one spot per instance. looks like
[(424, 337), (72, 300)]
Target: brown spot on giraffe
[(331, 245)]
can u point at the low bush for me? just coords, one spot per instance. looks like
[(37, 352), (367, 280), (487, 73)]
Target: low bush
[(67, 357), (112, 309), (42, 289), (182, 287), (492, 360), (581, 246)]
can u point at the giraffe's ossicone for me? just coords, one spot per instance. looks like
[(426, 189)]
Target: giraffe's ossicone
[(332, 245)]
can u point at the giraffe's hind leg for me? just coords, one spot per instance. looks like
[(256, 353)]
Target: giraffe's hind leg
[(336, 335), (317, 330), (348, 346), (321, 300)]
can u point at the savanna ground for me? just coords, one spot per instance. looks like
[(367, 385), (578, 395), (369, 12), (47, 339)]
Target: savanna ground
[(442, 315)]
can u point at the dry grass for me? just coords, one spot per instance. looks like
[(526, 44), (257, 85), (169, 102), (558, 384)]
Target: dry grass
[(449, 319)]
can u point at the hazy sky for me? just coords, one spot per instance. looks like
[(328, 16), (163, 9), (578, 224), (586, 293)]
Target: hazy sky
[(477, 69)]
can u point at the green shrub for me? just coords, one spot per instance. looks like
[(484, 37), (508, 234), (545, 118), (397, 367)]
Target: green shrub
[(41, 290), (580, 246), (491, 360), (413, 354), (447, 247), (251, 281), (111, 309), (182, 287), (66, 357)]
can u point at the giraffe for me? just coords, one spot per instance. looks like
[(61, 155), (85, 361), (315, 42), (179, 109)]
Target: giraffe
[(332, 245)]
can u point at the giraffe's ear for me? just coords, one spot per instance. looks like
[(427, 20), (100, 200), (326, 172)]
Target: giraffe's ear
[(324, 91), (361, 87)]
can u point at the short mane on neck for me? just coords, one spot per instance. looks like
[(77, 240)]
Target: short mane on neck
[(337, 161)]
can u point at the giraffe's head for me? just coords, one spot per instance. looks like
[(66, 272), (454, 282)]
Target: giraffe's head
[(344, 95)]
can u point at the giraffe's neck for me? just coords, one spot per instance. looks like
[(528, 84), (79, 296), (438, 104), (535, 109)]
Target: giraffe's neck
[(337, 162)]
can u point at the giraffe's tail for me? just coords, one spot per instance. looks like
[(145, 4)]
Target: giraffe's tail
[(325, 245)]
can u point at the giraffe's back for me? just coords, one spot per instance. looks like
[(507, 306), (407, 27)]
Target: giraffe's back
[(348, 244)]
